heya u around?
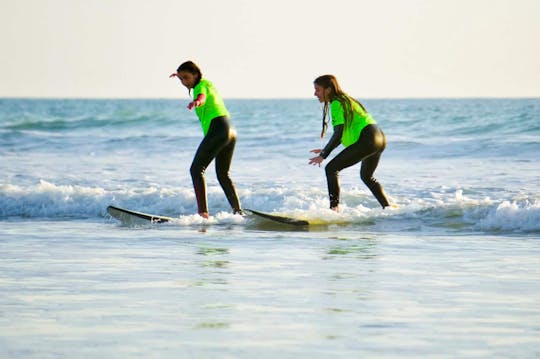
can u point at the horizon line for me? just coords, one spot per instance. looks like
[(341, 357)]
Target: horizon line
[(273, 98)]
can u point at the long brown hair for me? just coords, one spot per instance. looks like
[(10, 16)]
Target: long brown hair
[(336, 93)]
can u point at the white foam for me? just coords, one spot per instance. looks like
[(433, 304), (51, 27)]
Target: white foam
[(512, 216), (442, 208)]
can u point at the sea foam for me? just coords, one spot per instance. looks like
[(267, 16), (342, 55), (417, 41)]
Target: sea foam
[(453, 211)]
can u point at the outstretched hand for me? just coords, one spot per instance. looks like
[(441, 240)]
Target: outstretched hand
[(316, 160), (193, 104), (199, 101)]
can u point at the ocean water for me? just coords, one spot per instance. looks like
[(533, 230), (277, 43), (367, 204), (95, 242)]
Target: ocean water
[(453, 271)]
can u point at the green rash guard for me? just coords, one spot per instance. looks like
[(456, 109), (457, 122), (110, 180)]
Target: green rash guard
[(213, 105), (360, 120)]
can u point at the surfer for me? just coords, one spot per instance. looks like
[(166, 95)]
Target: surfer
[(219, 136), (357, 131)]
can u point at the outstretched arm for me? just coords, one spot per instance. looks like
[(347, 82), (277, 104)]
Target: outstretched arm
[(199, 101)]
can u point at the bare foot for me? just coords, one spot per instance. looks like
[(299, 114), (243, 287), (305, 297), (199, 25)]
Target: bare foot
[(204, 215), (335, 209)]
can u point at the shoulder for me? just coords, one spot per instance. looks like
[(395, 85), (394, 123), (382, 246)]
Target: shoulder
[(203, 83), (337, 113), (206, 83), (336, 106)]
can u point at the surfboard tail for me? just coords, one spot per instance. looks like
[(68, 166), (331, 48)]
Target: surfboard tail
[(130, 217), (278, 218)]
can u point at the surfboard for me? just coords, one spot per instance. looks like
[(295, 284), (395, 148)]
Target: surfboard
[(276, 218), (128, 216)]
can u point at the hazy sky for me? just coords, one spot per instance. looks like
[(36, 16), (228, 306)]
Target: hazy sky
[(270, 48)]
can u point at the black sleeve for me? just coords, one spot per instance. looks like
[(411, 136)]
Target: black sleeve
[(334, 141)]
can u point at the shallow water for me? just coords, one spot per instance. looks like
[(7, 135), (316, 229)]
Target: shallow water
[(97, 290)]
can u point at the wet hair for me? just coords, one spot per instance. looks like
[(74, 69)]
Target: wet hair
[(336, 93), (192, 68)]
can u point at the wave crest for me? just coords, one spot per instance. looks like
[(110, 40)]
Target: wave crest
[(449, 211)]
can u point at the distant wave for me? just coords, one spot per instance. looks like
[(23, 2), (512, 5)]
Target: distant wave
[(430, 117), (83, 123)]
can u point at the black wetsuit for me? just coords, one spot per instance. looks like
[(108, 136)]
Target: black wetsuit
[(367, 149), (218, 144)]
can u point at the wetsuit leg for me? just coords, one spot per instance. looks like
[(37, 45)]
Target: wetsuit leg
[(205, 154), (223, 164), (216, 140), (367, 149), (369, 165)]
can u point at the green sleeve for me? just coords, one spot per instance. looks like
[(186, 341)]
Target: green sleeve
[(338, 116), (200, 88)]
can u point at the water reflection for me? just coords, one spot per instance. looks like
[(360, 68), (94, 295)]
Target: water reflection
[(211, 284), (216, 257), (361, 249)]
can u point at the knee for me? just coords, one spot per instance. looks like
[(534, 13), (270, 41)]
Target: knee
[(196, 170), (222, 175), (367, 179)]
